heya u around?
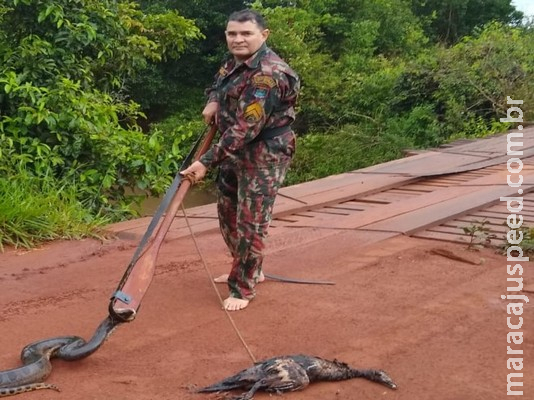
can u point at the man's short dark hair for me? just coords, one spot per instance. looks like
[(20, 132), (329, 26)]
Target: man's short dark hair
[(248, 15)]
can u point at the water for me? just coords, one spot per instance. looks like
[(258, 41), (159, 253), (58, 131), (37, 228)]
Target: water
[(196, 196)]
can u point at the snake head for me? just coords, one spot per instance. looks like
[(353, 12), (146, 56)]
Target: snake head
[(125, 314)]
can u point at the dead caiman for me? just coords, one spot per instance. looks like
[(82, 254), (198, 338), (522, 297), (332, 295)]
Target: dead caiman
[(36, 358), (295, 372)]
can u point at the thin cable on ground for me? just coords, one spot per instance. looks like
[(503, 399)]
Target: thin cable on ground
[(210, 275)]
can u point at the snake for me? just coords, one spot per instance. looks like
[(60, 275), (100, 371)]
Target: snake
[(36, 356)]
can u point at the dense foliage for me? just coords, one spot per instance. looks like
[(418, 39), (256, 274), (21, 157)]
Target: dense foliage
[(104, 96), (65, 108)]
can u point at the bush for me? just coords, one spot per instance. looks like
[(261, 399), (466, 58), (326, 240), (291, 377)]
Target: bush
[(352, 147), (476, 76)]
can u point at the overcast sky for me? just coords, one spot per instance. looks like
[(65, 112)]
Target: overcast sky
[(527, 6)]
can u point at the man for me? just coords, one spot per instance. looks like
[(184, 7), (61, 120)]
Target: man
[(252, 102)]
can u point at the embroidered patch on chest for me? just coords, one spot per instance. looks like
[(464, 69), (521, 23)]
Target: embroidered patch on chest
[(253, 112), (264, 81), (222, 71)]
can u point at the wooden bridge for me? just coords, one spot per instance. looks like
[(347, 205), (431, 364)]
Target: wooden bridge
[(433, 194), (436, 324)]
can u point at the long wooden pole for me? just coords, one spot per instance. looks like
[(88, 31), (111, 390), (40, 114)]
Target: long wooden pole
[(134, 287)]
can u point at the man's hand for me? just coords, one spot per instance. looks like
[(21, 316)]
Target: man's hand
[(195, 172), (210, 112)]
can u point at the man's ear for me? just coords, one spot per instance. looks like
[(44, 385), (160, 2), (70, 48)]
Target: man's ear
[(265, 33)]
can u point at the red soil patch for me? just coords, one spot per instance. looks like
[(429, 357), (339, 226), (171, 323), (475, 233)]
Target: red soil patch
[(436, 325)]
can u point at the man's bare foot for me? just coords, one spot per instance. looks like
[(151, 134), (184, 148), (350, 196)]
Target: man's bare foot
[(233, 304), (221, 279), (224, 278)]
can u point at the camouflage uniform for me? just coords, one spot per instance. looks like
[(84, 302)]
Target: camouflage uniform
[(256, 98)]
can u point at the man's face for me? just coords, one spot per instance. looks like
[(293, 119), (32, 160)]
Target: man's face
[(244, 38)]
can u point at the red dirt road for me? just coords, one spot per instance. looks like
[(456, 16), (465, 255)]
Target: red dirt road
[(437, 326)]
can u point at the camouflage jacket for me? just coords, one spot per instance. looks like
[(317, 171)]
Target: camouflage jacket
[(258, 94)]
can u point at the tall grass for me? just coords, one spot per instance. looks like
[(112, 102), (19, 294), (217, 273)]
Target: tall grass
[(34, 210)]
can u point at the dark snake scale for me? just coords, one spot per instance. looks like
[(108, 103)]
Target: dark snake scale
[(36, 356)]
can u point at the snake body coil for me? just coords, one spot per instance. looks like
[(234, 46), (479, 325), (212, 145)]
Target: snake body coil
[(36, 358)]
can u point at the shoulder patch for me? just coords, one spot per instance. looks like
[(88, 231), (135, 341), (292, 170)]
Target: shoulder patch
[(222, 71), (253, 112), (264, 81)]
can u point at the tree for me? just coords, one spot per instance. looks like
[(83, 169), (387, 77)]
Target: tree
[(341, 50), (177, 84), (448, 21), (63, 101), (476, 76)]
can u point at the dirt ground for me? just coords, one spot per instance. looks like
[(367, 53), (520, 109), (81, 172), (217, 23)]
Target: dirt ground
[(436, 325)]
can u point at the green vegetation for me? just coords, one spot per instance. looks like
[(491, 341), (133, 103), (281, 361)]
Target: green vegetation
[(102, 98), (527, 243), (38, 209), (352, 147), (479, 235)]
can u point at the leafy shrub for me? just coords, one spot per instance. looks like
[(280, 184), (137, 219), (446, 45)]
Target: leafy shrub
[(477, 75), (352, 147)]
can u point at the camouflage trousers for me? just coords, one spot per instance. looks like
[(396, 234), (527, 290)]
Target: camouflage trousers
[(247, 188)]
